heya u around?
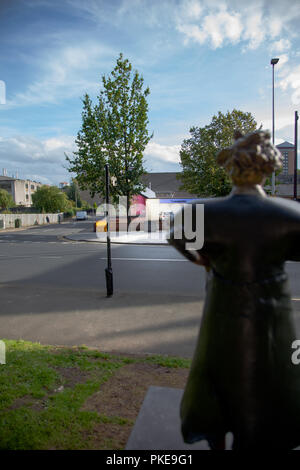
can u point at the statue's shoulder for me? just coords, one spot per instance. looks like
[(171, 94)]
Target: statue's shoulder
[(209, 201), (285, 204), (214, 204)]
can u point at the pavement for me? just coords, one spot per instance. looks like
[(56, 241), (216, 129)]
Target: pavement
[(135, 237), (144, 323)]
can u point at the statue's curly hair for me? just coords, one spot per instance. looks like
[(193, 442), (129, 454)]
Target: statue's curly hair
[(250, 158)]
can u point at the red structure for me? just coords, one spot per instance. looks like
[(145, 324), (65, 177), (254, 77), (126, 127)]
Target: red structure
[(138, 205)]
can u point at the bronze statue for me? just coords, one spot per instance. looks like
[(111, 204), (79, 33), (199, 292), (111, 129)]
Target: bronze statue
[(242, 379)]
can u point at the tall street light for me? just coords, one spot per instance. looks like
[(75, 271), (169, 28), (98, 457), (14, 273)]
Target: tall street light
[(273, 62), (108, 270)]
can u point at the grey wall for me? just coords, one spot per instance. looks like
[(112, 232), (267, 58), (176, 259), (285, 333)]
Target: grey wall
[(28, 219)]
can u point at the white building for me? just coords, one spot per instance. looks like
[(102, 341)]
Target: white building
[(20, 190)]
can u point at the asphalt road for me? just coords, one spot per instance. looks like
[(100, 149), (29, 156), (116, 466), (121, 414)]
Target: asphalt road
[(41, 256), (53, 291)]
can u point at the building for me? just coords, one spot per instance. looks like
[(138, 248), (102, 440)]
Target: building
[(287, 150), (20, 190), (166, 185), (162, 194)]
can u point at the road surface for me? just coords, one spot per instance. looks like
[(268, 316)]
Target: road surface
[(53, 291)]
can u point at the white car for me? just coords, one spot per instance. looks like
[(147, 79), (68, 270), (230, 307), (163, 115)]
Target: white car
[(81, 215)]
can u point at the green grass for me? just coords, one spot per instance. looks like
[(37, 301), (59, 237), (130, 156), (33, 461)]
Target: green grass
[(34, 414)]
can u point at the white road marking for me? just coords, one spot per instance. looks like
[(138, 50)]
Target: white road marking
[(147, 259), (50, 257)]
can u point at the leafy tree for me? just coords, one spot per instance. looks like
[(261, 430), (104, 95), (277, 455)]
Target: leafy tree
[(6, 200), (201, 175), (50, 199), (85, 205), (268, 182), (73, 193), (114, 131)]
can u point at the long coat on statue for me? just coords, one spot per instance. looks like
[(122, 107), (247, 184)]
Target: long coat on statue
[(242, 379)]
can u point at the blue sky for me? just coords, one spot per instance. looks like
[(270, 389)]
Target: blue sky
[(197, 57)]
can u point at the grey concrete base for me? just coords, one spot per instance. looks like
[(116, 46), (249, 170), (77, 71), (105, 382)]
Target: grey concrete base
[(158, 424)]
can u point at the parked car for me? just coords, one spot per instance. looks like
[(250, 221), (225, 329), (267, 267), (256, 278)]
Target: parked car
[(81, 215)]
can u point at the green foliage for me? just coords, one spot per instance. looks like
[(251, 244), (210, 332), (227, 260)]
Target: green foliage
[(69, 212), (6, 200), (268, 182), (201, 175), (114, 131), (50, 199), (73, 193), (85, 206)]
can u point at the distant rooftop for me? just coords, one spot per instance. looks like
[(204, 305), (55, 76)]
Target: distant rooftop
[(11, 178), (286, 145), (165, 185), (5, 178)]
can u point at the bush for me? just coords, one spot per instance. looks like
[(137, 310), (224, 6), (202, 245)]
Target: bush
[(85, 206), (6, 200), (18, 223), (69, 213), (49, 199)]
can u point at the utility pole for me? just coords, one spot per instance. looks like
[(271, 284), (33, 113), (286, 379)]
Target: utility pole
[(273, 63), (108, 270), (295, 156)]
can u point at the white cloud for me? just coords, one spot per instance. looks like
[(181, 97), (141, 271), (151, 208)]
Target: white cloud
[(283, 59), (254, 29), (167, 153), (284, 120), (231, 22), (281, 45), (275, 26), (292, 80), (215, 27), (193, 9), (36, 159), (44, 160), (64, 73)]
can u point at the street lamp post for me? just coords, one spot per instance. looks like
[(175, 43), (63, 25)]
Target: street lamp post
[(273, 63), (295, 155), (108, 270)]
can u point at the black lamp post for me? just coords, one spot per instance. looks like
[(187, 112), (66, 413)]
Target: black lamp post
[(295, 155), (108, 270), (273, 63)]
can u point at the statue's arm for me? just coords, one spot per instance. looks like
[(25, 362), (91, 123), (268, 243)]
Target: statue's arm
[(179, 241)]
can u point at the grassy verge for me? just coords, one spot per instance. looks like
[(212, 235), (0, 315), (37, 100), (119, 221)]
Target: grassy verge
[(44, 389)]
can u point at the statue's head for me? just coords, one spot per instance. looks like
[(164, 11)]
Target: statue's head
[(251, 158)]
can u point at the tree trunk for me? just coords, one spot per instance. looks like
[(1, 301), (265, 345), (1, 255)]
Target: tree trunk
[(127, 210)]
